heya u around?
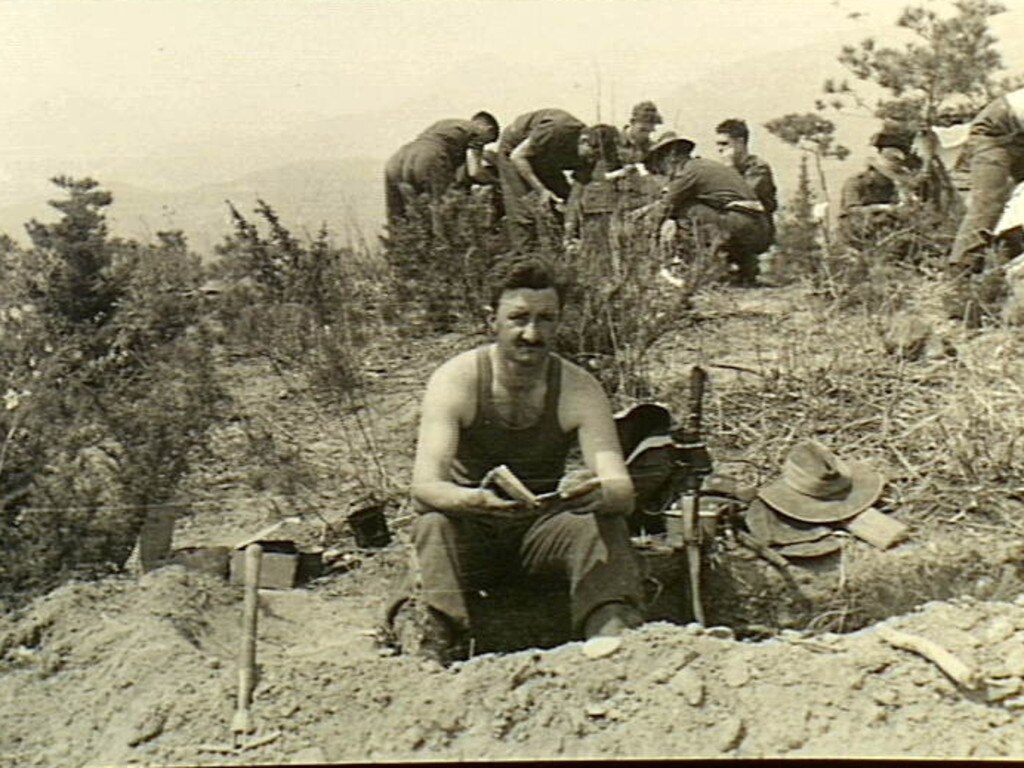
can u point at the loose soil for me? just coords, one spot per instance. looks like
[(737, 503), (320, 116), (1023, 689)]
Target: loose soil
[(142, 670)]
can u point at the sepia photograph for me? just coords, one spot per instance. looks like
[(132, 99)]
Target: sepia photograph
[(511, 380)]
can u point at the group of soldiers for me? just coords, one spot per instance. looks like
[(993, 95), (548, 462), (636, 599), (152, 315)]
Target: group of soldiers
[(549, 163), (905, 176), (515, 405)]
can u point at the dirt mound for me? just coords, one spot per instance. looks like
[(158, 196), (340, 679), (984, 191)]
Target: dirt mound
[(118, 672), (94, 672)]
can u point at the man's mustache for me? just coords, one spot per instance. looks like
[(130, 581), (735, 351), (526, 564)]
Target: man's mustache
[(531, 344)]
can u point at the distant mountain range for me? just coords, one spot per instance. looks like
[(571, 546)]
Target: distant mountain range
[(346, 195)]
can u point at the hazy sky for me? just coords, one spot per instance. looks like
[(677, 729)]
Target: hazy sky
[(247, 62), (244, 59), (112, 76)]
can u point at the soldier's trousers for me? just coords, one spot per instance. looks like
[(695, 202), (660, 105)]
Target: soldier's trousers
[(419, 167), (519, 199), (593, 553), (742, 236), (997, 166)]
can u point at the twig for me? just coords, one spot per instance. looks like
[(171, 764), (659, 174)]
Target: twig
[(842, 567), (903, 459), (7, 439), (763, 551), (962, 674), (741, 368), (811, 645), (262, 741), (815, 623), (220, 749), (854, 424), (980, 526)]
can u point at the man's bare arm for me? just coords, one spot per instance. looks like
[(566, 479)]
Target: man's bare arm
[(436, 446), (474, 164), (520, 157), (590, 412)]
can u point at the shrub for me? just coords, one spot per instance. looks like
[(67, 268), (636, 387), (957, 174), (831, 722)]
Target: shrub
[(440, 256), (798, 249), (628, 288), (109, 387), (311, 304), (628, 296), (314, 309), (881, 260)]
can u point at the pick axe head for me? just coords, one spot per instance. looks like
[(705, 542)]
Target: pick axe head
[(241, 723)]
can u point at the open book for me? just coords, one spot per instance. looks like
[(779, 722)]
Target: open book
[(505, 479)]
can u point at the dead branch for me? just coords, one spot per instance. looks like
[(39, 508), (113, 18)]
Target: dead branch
[(959, 672)]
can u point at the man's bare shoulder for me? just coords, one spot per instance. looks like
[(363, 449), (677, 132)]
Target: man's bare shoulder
[(456, 373), (579, 381), (583, 401)]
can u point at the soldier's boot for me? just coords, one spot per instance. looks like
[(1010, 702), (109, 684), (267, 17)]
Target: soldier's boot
[(611, 620), (420, 630)]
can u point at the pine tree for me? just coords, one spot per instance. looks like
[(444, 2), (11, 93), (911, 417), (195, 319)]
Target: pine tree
[(813, 135), (798, 250), (79, 289), (950, 65)]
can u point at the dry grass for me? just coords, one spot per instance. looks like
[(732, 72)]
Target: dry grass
[(945, 429)]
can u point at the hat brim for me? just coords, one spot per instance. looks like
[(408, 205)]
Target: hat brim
[(641, 421), (658, 150), (819, 548), (772, 528), (866, 487)]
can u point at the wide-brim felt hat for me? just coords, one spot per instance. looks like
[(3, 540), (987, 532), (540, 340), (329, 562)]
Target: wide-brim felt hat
[(893, 135), (816, 486), (666, 141)]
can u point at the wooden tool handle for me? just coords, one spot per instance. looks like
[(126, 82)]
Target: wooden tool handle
[(695, 403), (247, 654), (693, 561)]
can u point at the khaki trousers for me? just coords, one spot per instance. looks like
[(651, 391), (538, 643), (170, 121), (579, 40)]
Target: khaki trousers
[(592, 553)]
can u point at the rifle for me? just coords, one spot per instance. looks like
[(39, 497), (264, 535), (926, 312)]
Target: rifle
[(695, 463)]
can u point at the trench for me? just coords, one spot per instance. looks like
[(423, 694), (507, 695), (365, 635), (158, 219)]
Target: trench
[(840, 593), (860, 585)]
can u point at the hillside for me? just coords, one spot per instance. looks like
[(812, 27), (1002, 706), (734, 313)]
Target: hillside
[(143, 670), (767, 87)]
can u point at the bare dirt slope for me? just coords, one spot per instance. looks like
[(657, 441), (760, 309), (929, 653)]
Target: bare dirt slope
[(142, 670), (126, 672)]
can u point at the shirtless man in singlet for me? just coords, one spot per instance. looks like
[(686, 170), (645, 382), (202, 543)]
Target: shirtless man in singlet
[(517, 403)]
